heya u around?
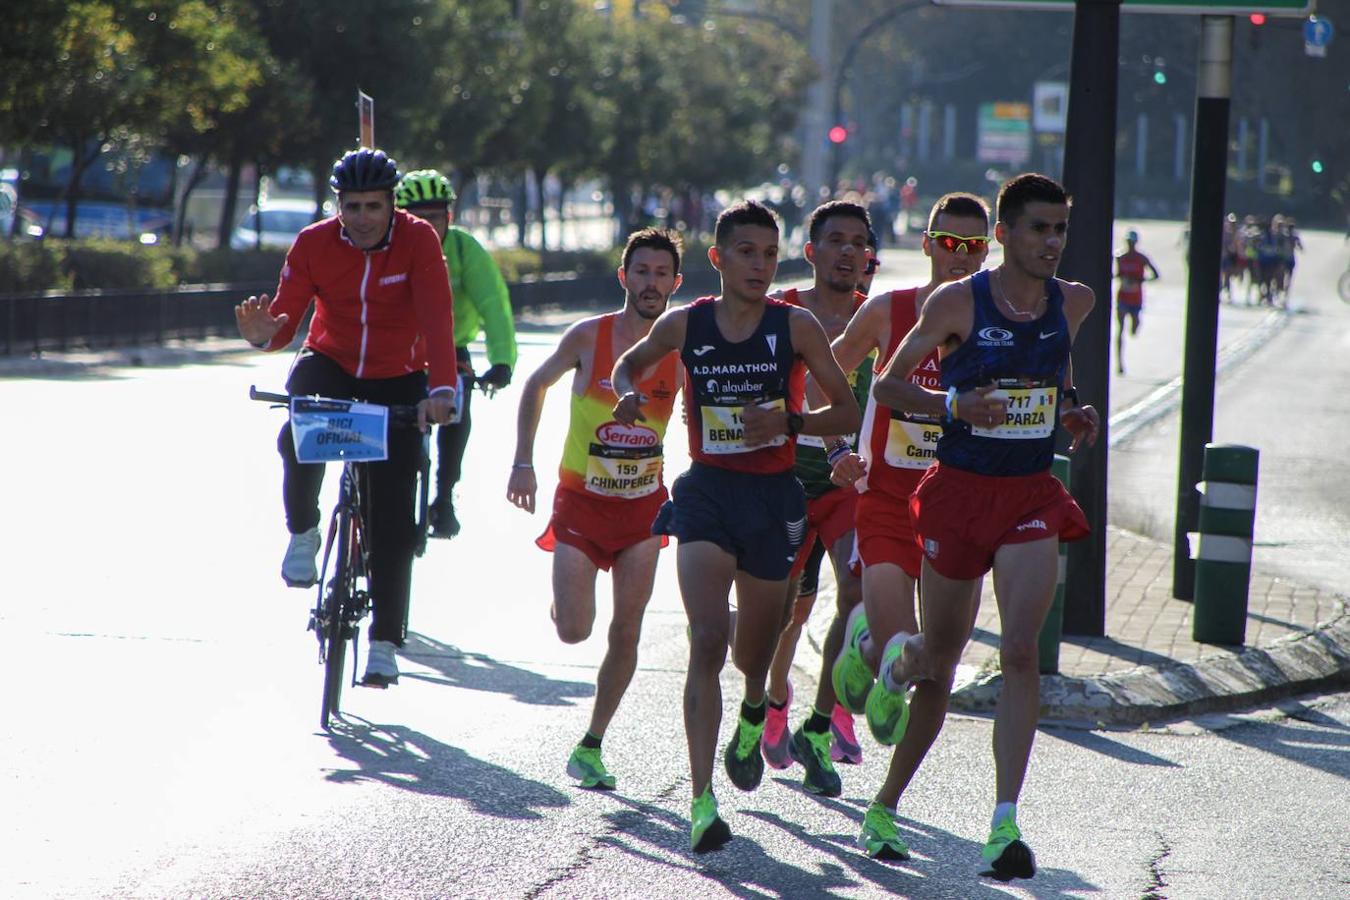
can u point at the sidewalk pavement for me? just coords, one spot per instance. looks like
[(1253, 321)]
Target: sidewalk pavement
[(1147, 668)]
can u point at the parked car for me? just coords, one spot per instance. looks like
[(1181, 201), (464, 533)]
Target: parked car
[(99, 218), (282, 220)]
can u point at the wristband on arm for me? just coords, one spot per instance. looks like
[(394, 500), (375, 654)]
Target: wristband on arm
[(951, 404)]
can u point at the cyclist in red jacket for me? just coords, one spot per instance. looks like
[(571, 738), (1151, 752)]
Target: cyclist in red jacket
[(382, 333)]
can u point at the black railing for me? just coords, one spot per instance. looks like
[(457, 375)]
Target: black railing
[(93, 320)]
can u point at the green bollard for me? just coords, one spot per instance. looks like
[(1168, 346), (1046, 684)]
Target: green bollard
[(1053, 629), (1223, 552)]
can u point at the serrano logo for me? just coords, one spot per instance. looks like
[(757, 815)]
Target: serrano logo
[(606, 384), (616, 434), (995, 335), (393, 279)]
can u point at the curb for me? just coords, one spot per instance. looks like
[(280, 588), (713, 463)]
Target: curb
[(1302, 663), (1312, 661)]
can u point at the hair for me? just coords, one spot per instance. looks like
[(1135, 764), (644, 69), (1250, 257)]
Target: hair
[(959, 203), (841, 208), (656, 239), (747, 212), (872, 240), (1029, 187)]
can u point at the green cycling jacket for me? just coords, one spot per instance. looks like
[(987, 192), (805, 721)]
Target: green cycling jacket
[(482, 302)]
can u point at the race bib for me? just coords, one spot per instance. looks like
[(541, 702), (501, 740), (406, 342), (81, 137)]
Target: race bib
[(724, 432), (338, 430), (911, 445), (1031, 414), (622, 472)]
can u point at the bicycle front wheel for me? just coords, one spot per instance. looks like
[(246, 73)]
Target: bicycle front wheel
[(338, 599)]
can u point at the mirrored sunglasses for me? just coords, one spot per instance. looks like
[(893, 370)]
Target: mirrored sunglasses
[(955, 243)]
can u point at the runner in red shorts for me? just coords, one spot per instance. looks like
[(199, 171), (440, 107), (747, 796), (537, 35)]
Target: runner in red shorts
[(610, 483), (896, 450), (989, 501)]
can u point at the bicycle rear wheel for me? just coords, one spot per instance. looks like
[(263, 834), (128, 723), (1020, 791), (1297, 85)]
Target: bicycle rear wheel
[(337, 601)]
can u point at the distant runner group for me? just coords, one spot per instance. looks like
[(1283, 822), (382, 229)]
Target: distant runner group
[(907, 436)]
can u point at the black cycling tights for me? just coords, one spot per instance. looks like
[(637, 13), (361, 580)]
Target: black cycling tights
[(387, 489)]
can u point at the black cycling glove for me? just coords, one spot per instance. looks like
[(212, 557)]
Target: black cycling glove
[(499, 376)]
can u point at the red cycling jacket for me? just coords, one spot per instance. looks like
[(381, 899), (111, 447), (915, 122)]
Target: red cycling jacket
[(378, 313)]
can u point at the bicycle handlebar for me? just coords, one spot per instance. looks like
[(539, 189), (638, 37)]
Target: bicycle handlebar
[(400, 414)]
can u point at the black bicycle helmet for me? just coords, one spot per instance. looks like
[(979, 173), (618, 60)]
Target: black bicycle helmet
[(364, 170)]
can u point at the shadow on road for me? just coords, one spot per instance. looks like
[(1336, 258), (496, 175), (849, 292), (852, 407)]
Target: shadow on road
[(409, 760), (742, 867), (1097, 742), (1313, 739), (479, 672)]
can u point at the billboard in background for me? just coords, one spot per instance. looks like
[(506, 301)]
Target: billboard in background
[(1050, 107), (1003, 134)]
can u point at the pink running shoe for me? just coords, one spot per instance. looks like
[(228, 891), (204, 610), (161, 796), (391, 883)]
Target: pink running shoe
[(777, 735), (845, 748)]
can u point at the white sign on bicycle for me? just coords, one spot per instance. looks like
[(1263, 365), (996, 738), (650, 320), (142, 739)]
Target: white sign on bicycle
[(339, 430)]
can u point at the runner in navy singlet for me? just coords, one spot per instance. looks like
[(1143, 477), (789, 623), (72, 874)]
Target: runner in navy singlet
[(989, 500), (895, 451), (739, 514)]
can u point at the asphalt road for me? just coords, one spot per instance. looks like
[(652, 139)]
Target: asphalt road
[(161, 739)]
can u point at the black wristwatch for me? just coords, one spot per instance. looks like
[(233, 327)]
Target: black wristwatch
[(1070, 393), (795, 423)]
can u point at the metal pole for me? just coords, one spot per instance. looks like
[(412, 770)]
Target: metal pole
[(1090, 177), (817, 101), (1141, 145), (1209, 172), (1179, 164)]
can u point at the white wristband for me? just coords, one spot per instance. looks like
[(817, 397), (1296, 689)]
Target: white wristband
[(951, 402)]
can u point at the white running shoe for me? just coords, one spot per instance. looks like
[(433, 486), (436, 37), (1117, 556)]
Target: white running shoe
[(381, 665), (298, 568)]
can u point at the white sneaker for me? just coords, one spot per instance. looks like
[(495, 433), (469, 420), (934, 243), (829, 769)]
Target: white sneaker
[(299, 569), (381, 665)]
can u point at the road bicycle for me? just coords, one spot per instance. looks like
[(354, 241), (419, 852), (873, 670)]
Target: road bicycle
[(343, 598)]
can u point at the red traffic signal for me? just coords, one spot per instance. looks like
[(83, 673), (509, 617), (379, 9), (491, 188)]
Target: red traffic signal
[(838, 134), (1257, 18)]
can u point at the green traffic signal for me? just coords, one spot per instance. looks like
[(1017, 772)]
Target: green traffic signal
[(1317, 166), (1160, 77)]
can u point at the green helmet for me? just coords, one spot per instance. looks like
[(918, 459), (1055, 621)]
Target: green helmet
[(425, 187)]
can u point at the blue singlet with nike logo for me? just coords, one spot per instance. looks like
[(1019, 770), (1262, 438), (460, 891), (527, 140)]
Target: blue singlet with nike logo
[(1027, 361)]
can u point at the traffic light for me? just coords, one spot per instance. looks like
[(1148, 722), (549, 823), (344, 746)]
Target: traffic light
[(838, 134), (1317, 167), (1159, 70), (1257, 18)]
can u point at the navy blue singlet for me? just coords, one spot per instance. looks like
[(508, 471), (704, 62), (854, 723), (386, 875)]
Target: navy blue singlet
[(722, 376), (1027, 361)]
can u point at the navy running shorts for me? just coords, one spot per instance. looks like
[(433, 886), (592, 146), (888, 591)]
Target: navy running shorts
[(759, 519)]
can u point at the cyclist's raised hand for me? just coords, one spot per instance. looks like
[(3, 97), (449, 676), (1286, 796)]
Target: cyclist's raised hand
[(436, 408), (521, 487), (256, 324)]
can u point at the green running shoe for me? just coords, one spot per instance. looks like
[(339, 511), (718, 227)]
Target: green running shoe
[(707, 831), (585, 765), (887, 711), (745, 763), (1005, 856), (879, 836), (812, 750), (851, 677)]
